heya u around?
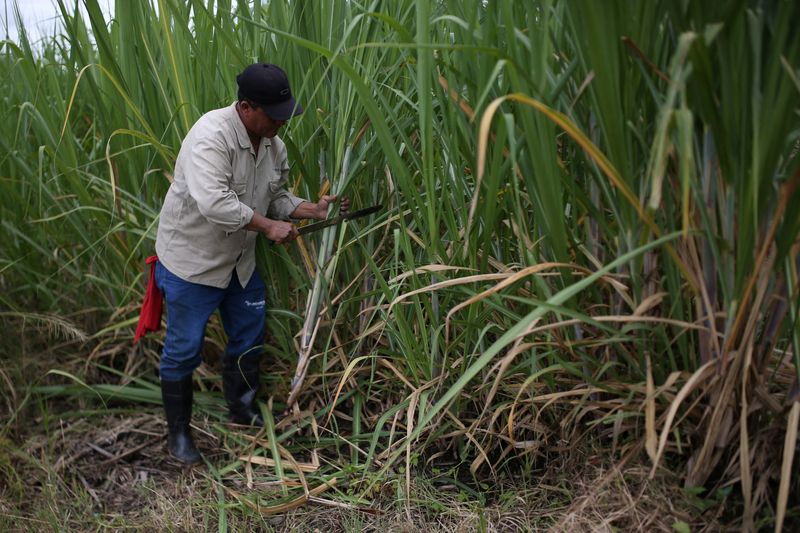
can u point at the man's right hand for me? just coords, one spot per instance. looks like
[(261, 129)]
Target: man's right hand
[(281, 232), (275, 230)]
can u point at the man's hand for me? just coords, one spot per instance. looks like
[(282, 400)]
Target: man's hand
[(274, 230), (319, 210), (281, 232), (324, 202)]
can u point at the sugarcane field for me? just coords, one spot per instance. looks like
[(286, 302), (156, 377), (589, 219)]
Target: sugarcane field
[(400, 265)]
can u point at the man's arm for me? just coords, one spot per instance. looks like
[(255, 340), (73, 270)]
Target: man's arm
[(206, 168), (319, 210), (283, 232)]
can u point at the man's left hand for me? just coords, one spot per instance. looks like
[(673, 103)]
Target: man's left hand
[(326, 201)]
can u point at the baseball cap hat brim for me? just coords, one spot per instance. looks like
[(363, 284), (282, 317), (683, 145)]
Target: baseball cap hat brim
[(268, 86), (283, 110)]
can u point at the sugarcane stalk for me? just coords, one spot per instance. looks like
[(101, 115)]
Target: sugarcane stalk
[(323, 274)]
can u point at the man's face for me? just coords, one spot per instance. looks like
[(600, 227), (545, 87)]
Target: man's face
[(257, 121), (268, 127)]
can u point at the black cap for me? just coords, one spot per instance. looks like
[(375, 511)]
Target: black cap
[(267, 85)]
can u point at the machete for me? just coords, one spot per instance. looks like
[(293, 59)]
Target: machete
[(316, 226)]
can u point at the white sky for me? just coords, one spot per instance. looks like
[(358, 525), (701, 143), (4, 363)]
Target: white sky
[(40, 17)]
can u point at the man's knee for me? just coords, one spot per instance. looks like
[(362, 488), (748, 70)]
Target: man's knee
[(174, 369)]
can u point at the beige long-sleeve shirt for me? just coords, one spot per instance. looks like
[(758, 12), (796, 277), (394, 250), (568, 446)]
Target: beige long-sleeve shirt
[(218, 184)]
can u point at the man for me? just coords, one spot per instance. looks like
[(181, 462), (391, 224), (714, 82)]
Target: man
[(229, 186)]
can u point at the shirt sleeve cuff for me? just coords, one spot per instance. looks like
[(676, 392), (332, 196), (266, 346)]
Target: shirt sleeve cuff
[(282, 207), (246, 216)]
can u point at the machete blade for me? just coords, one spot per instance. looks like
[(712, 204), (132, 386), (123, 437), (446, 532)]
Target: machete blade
[(310, 228)]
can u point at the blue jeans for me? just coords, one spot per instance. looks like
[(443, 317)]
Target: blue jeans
[(189, 306)]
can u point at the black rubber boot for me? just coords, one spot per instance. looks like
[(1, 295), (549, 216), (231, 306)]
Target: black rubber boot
[(240, 384), (177, 397)]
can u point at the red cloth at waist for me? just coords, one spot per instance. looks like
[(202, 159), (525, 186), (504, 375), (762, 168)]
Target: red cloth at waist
[(150, 315)]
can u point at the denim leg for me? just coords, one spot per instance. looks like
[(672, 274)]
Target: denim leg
[(243, 312), (189, 305)]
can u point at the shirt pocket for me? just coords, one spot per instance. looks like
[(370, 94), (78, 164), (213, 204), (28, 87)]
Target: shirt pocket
[(275, 187), (241, 173), (275, 182)]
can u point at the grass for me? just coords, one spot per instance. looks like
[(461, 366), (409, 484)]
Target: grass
[(590, 230)]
